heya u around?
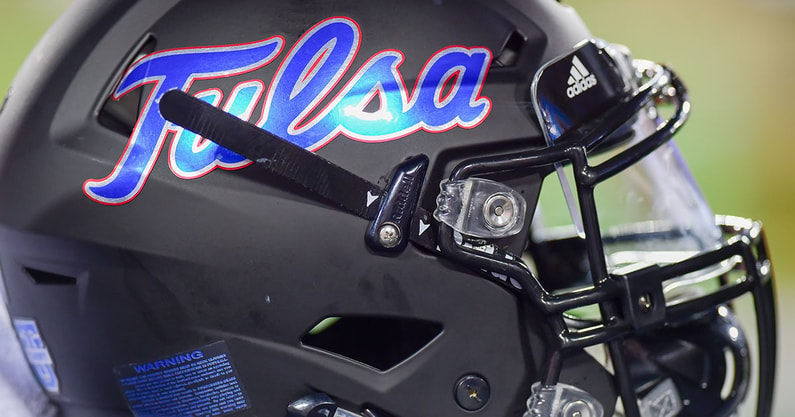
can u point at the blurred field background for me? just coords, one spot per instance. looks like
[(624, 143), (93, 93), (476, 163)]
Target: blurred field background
[(738, 59)]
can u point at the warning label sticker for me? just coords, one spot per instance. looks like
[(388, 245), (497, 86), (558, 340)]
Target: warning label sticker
[(200, 382)]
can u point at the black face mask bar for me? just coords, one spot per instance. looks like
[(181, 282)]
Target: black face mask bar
[(630, 304)]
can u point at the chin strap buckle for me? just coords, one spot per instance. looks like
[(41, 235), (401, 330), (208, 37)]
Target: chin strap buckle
[(390, 230)]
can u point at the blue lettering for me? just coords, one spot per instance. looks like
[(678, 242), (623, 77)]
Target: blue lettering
[(379, 79), (374, 106), (309, 72), (165, 363), (463, 106), (168, 70)]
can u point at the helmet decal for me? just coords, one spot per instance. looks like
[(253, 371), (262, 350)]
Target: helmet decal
[(167, 70), (446, 95)]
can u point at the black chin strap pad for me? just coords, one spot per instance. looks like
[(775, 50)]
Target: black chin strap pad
[(339, 186)]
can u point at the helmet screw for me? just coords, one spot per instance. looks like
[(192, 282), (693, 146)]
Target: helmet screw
[(646, 302), (577, 409), (499, 210), (389, 235), (472, 392)]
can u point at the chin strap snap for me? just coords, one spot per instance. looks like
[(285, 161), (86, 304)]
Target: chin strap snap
[(394, 214)]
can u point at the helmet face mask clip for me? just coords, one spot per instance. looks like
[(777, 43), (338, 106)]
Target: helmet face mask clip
[(322, 213)]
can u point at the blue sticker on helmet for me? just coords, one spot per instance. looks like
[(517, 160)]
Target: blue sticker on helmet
[(199, 382), (446, 95), (37, 354)]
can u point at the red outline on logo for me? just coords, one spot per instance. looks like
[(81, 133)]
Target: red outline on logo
[(147, 107)]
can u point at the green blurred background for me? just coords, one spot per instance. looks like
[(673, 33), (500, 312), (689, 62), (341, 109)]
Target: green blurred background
[(736, 56), (738, 59)]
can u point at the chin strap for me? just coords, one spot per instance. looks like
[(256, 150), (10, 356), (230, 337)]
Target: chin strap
[(338, 186), (394, 215)]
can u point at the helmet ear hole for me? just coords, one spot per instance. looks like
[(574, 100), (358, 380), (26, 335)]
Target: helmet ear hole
[(379, 342), (120, 115)]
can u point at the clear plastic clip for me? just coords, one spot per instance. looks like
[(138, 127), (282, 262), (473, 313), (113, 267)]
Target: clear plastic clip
[(562, 400), (480, 208)]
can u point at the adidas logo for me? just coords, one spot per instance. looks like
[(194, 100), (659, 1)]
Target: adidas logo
[(580, 80)]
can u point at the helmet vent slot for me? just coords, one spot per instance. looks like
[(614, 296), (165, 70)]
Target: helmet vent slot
[(122, 114), (510, 50), (49, 278), (379, 342)]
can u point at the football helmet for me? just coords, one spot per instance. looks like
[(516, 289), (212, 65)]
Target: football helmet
[(368, 208)]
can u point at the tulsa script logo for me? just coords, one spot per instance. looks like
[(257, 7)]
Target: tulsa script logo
[(446, 95)]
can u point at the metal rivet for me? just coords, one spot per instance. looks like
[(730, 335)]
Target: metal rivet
[(389, 235), (499, 210), (577, 408), (646, 302), (472, 392)]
